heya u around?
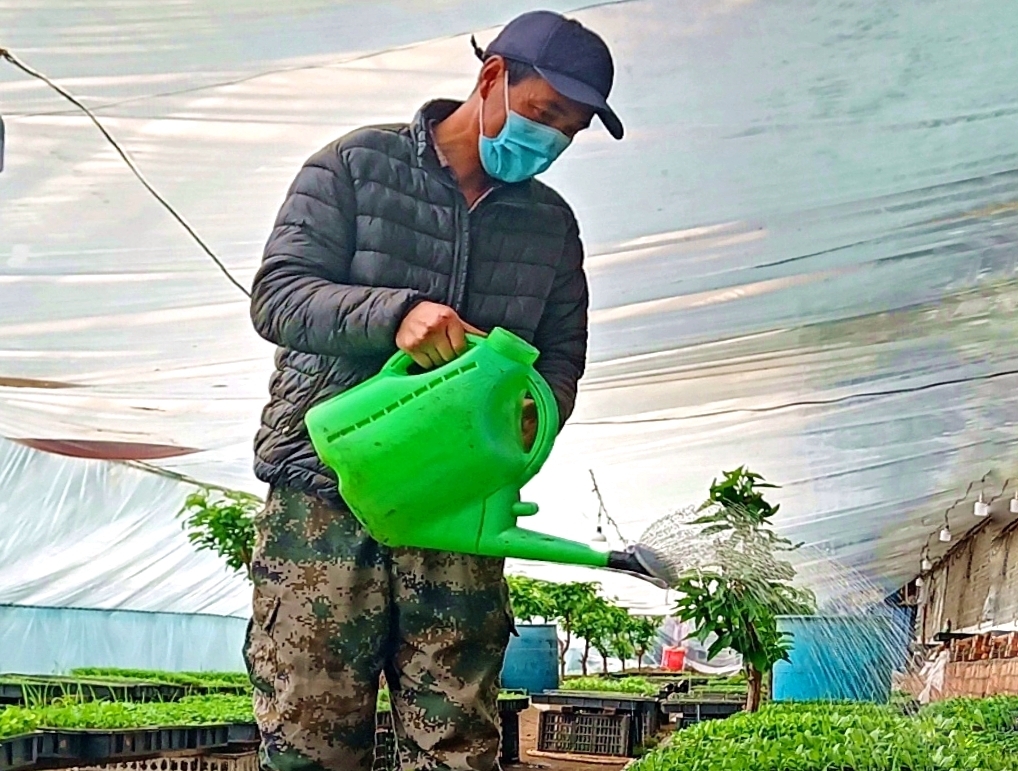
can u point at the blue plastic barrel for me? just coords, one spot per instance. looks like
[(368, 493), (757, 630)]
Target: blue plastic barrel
[(838, 658), (531, 661)]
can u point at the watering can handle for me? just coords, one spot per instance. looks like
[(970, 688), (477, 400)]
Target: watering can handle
[(547, 423), (544, 400), (401, 362)]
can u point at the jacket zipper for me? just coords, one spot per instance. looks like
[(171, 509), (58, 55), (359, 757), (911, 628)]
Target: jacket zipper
[(461, 256)]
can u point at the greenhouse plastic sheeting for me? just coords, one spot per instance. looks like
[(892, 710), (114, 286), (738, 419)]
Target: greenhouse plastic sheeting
[(802, 256), (93, 534), (56, 640)]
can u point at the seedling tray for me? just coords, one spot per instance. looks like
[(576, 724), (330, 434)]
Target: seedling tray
[(621, 702), (697, 711), (62, 747), (19, 689), (513, 704)]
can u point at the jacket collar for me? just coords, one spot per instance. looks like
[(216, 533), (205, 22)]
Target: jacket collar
[(420, 132), (435, 110)]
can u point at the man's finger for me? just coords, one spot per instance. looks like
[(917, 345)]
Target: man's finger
[(434, 357), (474, 330), (457, 337), (444, 348), (421, 359)]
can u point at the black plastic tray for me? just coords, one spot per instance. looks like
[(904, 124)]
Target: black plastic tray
[(695, 712), (20, 751), (59, 747), (601, 701), (515, 704)]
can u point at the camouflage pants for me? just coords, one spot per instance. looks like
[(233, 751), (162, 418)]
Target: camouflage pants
[(334, 610)]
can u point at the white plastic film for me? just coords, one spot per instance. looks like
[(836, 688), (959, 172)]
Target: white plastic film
[(802, 256)]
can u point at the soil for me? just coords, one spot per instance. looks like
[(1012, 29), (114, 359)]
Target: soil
[(528, 742)]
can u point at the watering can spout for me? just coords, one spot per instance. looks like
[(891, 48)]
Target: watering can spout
[(526, 544)]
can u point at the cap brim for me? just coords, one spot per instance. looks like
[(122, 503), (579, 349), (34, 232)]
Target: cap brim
[(580, 92)]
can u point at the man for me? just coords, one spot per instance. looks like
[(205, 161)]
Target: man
[(409, 236)]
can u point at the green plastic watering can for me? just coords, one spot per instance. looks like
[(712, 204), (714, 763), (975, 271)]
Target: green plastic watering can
[(435, 459)]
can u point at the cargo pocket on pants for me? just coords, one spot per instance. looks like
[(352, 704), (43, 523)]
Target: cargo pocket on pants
[(259, 648)]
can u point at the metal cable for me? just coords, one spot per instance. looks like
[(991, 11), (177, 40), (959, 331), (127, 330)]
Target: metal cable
[(5, 54)]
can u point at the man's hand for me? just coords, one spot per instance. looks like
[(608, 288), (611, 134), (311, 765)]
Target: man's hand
[(433, 334), (529, 423)]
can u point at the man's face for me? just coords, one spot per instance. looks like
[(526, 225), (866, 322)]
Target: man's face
[(533, 98)]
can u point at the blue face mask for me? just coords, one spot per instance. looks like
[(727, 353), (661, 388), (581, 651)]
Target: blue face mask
[(522, 149)]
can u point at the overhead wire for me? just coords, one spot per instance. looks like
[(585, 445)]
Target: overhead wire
[(28, 70)]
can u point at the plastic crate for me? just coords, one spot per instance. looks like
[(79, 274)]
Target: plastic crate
[(645, 711), (579, 733)]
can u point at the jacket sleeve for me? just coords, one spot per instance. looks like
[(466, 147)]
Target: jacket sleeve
[(561, 335), (300, 299)]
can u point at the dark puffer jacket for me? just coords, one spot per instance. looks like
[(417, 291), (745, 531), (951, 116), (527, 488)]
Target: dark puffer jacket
[(374, 224)]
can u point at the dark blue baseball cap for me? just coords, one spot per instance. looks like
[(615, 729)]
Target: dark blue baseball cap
[(573, 59)]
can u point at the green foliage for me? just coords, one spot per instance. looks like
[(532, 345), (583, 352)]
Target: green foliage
[(223, 522), (989, 717), (974, 735), (620, 641), (740, 489), (191, 710), (570, 602), (597, 622), (719, 688), (634, 686), (582, 613), (739, 600), (530, 598), (643, 633), (155, 676)]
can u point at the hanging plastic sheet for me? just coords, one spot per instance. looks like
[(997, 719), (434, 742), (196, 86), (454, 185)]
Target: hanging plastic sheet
[(802, 257), (94, 534), (55, 640)]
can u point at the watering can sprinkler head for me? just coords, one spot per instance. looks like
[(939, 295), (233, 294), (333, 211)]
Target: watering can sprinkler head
[(641, 562)]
